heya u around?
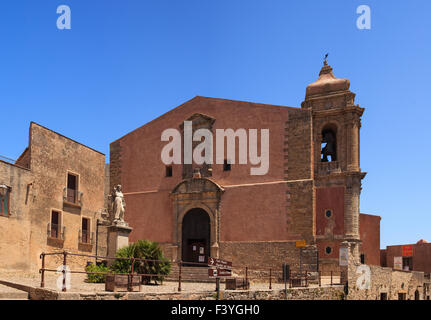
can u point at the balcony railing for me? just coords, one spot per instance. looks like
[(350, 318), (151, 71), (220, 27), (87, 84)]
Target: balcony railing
[(55, 231), (72, 196), (328, 167), (85, 237)]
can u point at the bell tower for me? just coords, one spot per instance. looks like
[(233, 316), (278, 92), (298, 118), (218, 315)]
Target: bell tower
[(336, 123)]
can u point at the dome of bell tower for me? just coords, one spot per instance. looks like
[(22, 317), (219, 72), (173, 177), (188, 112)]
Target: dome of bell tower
[(327, 83)]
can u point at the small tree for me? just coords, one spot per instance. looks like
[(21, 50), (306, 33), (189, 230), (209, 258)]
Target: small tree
[(143, 249), (96, 278)]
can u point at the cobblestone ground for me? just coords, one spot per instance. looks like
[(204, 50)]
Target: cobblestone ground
[(78, 284)]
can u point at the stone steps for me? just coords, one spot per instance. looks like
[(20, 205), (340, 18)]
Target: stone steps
[(190, 274)]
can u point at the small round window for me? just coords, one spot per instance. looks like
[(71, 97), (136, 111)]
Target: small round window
[(328, 213), (328, 250)]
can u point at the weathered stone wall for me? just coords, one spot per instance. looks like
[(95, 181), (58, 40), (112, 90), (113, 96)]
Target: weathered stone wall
[(327, 293), (15, 228), (298, 144), (102, 238), (385, 280), (300, 210), (52, 157), (115, 164), (38, 189), (254, 213), (24, 159), (300, 201), (260, 256)]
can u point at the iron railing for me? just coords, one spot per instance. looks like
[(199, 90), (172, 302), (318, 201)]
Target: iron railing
[(294, 279), (130, 274), (56, 231)]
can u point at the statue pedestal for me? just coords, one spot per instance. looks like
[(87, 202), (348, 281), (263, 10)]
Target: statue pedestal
[(118, 237)]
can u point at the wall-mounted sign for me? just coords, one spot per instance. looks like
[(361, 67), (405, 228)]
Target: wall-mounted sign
[(407, 250), (344, 257), (301, 243), (398, 263)]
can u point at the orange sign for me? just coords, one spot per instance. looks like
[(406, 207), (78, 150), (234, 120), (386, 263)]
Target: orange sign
[(407, 250), (301, 243)]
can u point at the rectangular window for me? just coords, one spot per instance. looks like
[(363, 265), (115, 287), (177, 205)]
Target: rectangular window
[(72, 188), (363, 258), (408, 264), (55, 224), (383, 296), (168, 171), (85, 236), (4, 201), (226, 165)]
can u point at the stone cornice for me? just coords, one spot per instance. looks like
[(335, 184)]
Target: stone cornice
[(341, 175), (332, 112)]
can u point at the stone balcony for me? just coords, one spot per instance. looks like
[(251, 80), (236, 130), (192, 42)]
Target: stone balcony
[(325, 168)]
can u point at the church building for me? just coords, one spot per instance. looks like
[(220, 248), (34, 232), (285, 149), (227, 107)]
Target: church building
[(299, 212)]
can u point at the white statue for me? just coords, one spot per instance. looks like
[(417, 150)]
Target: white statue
[(118, 204)]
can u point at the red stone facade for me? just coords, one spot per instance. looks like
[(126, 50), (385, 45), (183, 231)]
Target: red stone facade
[(370, 237), (420, 257), (254, 219)]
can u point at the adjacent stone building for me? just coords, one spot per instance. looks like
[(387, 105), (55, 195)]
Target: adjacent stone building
[(369, 228), (371, 282), (415, 257), (54, 199), (15, 225), (309, 196)]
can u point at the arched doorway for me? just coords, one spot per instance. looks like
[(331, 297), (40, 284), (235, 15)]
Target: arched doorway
[(196, 236)]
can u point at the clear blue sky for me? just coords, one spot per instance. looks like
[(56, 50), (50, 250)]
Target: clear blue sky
[(124, 63)]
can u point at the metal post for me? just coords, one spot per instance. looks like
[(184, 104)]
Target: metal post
[(246, 278), (290, 279), (331, 278), (218, 287), (42, 271), (179, 276), (320, 280), (130, 280), (64, 270), (270, 276), (300, 260)]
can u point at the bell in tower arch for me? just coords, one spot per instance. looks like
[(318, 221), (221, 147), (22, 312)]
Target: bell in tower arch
[(330, 149)]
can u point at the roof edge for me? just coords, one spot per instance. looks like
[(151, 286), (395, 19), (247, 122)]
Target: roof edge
[(63, 136)]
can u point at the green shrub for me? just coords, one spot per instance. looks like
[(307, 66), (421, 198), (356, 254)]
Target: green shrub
[(143, 249), (96, 278)]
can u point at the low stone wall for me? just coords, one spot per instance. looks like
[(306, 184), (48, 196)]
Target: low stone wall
[(384, 280), (327, 293)]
